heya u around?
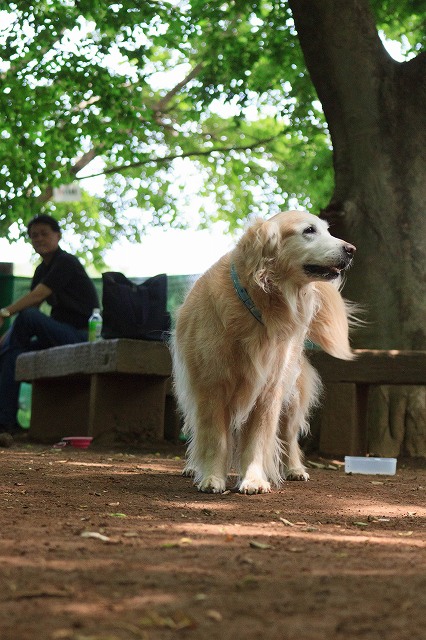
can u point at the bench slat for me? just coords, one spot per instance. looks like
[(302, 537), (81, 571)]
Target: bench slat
[(142, 357), (373, 367)]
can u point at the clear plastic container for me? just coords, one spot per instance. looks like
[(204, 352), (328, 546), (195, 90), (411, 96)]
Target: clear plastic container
[(95, 326), (370, 465)]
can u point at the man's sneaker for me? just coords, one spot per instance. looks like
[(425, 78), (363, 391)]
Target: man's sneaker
[(6, 440), (11, 433)]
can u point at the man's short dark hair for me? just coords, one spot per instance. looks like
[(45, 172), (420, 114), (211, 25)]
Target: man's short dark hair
[(44, 219)]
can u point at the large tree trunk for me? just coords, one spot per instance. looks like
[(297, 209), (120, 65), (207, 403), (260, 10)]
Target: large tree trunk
[(375, 109)]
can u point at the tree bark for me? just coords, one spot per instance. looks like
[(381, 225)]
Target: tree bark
[(376, 114), (375, 109)]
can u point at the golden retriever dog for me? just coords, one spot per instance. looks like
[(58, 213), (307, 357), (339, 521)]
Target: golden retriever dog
[(242, 381)]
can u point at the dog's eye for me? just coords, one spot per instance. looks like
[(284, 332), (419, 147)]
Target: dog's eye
[(309, 230)]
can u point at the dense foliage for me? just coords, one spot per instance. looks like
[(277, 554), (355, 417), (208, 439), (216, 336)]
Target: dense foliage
[(181, 106)]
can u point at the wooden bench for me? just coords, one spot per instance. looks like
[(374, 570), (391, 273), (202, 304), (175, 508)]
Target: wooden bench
[(113, 390), (344, 417)]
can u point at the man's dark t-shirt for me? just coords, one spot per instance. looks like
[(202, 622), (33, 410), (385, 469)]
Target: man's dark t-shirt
[(74, 295)]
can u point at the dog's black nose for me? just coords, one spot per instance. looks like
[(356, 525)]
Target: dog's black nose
[(349, 249)]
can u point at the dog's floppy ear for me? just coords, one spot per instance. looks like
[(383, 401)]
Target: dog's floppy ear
[(330, 325), (259, 247)]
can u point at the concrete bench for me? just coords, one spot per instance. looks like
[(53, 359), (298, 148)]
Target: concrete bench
[(113, 390), (345, 420), (119, 392)]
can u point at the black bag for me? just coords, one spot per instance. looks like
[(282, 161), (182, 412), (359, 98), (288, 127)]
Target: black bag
[(132, 310)]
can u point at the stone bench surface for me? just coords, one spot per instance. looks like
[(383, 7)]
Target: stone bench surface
[(142, 357), (373, 367)]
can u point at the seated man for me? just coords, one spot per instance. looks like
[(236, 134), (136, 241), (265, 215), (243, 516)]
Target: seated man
[(61, 280)]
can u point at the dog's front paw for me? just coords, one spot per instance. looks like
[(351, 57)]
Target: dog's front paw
[(254, 485), (297, 474), (212, 484)]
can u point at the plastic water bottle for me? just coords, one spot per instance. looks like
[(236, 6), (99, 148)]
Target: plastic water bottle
[(95, 326), (24, 411)]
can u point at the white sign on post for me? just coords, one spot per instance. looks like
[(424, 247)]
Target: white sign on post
[(67, 193)]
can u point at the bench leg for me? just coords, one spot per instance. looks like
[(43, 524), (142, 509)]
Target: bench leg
[(344, 419), (126, 409), (172, 420), (59, 408)]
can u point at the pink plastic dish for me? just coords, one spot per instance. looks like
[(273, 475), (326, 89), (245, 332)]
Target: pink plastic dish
[(80, 442)]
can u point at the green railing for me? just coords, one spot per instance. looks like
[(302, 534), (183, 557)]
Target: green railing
[(13, 287)]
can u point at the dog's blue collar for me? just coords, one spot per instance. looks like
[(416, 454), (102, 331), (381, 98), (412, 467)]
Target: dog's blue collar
[(244, 296)]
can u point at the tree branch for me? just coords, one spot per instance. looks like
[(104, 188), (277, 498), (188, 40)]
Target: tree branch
[(170, 158), (86, 158), (161, 104)]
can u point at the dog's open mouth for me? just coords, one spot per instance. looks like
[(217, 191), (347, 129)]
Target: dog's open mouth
[(325, 273)]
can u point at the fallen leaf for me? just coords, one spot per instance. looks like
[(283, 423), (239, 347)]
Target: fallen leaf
[(177, 543), (214, 615), (321, 465), (248, 582), (41, 593), (94, 534), (132, 628), (176, 620), (315, 465), (287, 522), (259, 545)]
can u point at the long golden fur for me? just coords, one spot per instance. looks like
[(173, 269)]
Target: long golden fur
[(243, 384)]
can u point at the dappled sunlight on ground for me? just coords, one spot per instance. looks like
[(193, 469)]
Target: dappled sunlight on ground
[(108, 545)]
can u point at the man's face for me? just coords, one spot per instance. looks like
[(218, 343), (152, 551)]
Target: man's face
[(44, 240)]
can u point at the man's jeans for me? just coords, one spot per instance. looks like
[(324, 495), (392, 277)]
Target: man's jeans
[(32, 330)]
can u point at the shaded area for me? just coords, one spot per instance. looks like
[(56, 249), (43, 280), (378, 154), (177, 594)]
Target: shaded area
[(339, 557)]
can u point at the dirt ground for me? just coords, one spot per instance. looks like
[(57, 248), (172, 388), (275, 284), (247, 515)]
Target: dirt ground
[(114, 545)]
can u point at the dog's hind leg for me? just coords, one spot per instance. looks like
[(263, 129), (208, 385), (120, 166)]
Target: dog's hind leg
[(293, 422), (293, 456), (209, 447)]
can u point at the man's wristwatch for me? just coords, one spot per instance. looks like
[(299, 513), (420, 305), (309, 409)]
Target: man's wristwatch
[(5, 313)]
